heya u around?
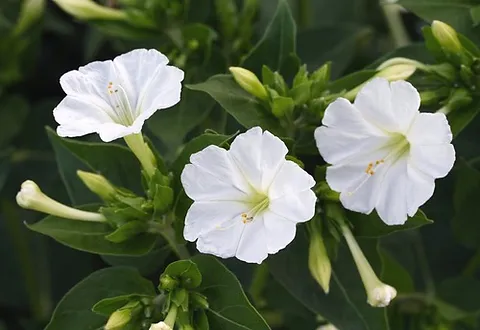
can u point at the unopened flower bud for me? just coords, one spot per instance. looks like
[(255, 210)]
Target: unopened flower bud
[(327, 327), (249, 82), (168, 283), (459, 98), (98, 184), (31, 197), (400, 60), (397, 72), (447, 38), (318, 261), (379, 294), (160, 326), (118, 319), (90, 10)]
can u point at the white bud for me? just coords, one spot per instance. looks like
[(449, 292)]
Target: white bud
[(381, 295), (32, 198), (160, 326), (90, 10)]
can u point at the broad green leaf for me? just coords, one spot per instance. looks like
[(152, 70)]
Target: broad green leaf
[(115, 162), (229, 308), (90, 236), (74, 311), (277, 43), (395, 274), (172, 125), (467, 188), (372, 226), (460, 118), (350, 81), (244, 107), (329, 43), (346, 304)]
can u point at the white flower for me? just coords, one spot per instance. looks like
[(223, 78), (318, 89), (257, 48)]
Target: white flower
[(160, 326), (385, 153), (248, 200), (114, 98)]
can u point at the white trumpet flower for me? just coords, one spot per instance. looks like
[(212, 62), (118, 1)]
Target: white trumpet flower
[(247, 200), (114, 98), (385, 154)]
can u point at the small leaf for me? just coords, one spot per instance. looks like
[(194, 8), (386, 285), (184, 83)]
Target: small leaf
[(90, 236), (186, 271), (107, 306), (74, 311), (127, 231)]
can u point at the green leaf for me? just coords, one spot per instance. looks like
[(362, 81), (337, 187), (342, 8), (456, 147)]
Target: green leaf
[(244, 107), (229, 308), (460, 118), (461, 292), (107, 306), (372, 226), (115, 162), (90, 236), (465, 199), (74, 312), (186, 272), (395, 274), (172, 125), (350, 81), (345, 305), (330, 43), (277, 43)]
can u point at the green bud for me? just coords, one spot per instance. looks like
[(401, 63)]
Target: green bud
[(317, 107), (447, 38), (326, 193), (118, 319), (199, 300), (168, 283), (98, 184), (397, 72), (320, 79), (302, 93), (282, 106), (249, 82), (90, 10), (431, 97), (444, 70), (301, 77), (459, 98), (318, 261), (467, 76), (279, 84), (127, 231)]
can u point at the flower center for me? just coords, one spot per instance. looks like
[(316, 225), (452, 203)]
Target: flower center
[(396, 149), (259, 204), (122, 111)]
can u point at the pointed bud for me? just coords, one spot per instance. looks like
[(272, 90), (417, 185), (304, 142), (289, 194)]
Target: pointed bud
[(459, 98), (118, 319), (379, 294), (397, 72), (32, 198), (318, 261), (249, 82), (90, 10), (160, 326), (447, 38), (98, 184), (401, 60), (435, 96), (327, 327)]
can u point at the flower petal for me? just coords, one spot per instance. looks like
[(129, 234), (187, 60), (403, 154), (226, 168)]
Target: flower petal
[(112, 131), (405, 103), (375, 103), (433, 160), (430, 128), (149, 82), (253, 243), (392, 202), (203, 217), (222, 243), (78, 116), (419, 189), (280, 231), (201, 184), (258, 156), (290, 179), (295, 206)]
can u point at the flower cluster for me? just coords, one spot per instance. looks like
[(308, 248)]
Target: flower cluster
[(248, 199)]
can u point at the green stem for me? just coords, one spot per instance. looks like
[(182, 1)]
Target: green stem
[(168, 234), (473, 265), (259, 280), (395, 24), (171, 316), (137, 144)]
